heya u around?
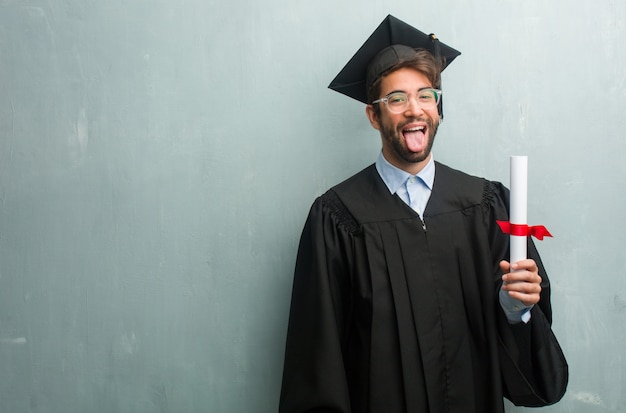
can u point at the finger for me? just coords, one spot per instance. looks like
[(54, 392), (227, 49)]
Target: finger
[(526, 299), (527, 264), (522, 276), (522, 287), (505, 267)]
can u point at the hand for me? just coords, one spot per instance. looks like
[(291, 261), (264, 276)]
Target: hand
[(523, 283)]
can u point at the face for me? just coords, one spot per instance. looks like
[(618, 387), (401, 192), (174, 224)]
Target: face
[(407, 137)]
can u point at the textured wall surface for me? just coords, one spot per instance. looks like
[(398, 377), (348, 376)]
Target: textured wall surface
[(158, 159)]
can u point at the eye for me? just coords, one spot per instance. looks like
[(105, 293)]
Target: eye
[(427, 95), (397, 99)]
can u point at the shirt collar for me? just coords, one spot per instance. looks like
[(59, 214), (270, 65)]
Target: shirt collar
[(395, 177)]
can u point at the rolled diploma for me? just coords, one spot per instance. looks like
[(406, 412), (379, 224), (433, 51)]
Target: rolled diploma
[(518, 205)]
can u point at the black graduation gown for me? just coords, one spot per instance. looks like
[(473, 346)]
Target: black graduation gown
[(392, 314)]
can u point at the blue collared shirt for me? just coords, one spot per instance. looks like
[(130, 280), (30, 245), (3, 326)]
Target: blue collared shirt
[(415, 191)]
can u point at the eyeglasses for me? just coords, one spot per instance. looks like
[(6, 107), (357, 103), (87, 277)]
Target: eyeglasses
[(398, 102)]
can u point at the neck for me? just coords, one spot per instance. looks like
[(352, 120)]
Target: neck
[(411, 167)]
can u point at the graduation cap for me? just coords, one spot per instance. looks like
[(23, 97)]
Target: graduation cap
[(392, 42)]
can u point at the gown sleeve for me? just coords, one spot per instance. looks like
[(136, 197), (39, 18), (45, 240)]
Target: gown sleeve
[(314, 377), (534, 369)]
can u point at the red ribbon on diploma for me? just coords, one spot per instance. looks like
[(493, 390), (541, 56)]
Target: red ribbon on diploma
[(537, 231)]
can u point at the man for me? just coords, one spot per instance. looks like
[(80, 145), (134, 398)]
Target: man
[(402, 299)]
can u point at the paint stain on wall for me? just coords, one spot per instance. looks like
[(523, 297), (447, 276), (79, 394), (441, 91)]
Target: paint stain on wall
[(79, 138), (16, 341), (588, 398)]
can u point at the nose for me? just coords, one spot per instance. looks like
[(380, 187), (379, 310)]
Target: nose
[(413, 106)]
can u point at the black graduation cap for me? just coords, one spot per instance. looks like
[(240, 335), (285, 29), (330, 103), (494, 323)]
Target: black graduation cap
[(360, 72)]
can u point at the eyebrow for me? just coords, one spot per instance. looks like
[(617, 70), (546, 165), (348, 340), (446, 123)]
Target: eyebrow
[(404, 91)]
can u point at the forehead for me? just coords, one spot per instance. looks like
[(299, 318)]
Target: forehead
[(405, 79)]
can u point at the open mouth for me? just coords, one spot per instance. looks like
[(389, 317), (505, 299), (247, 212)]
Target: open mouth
[(415, 137), (413, 130)]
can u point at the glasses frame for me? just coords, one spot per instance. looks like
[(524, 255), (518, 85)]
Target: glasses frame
[(385, 99)]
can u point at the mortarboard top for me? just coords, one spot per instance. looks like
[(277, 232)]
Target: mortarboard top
[(353, 79)]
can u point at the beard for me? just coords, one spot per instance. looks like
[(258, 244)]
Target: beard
[(393, 135)]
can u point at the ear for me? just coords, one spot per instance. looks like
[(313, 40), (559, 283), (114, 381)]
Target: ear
[(372, 116)]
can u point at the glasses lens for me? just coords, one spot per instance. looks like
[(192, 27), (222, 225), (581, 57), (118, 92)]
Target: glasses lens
[(397, 102), (428, 98)]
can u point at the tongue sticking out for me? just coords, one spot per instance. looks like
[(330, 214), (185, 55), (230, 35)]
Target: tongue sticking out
[(415, 139)]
